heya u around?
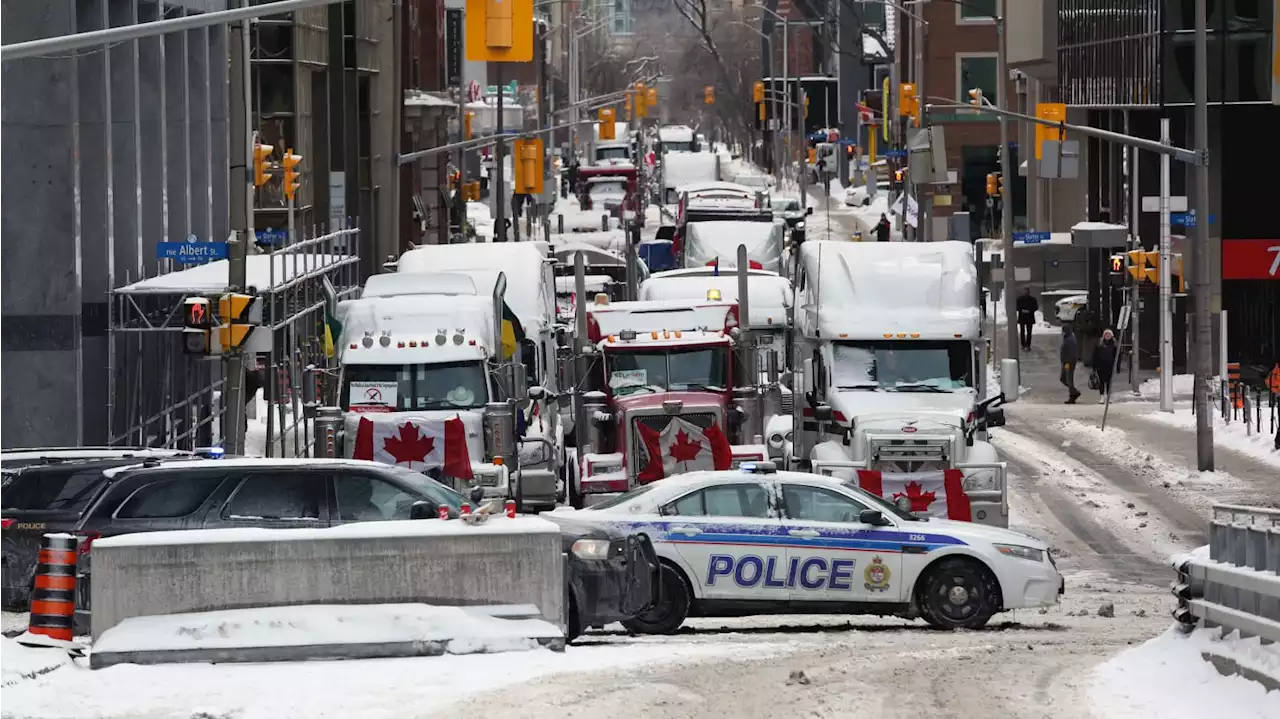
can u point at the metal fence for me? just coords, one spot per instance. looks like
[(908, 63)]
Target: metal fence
[(1237, 587), (1257, 407)]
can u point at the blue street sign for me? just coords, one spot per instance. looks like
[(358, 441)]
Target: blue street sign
[(895, 153), (848, 141), (1186, 219), (190, 253), (1031, 237), (271, 236)]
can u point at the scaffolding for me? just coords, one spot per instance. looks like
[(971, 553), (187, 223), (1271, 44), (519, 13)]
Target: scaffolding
[(157, 396)]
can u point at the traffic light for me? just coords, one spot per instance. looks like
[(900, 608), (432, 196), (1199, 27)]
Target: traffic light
[(975, 97), (1152, 266), (260, 154), (467, 117), (1136, 265), (527, 155), (761, 107), (709, 95), (899, 176), (757, 91), (1118, 272), (652, 97), (642, 100), (992, 187), (608, 130), (627, 105), (806, 106), (999, 184), (292, 178), (498, 30), (908, 101), (238, 314), (196, 321)]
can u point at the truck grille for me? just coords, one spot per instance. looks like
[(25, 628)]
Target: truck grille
[(788, 403), (911, 455), (659, 422)]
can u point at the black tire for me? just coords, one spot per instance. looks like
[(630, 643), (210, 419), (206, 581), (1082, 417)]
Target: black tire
[(958, 593), (672, 608)]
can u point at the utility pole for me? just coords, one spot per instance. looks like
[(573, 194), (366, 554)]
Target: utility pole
[(1200, 251), (1006, 200), (1135, 302), (1166, 291), (240, 207), (922, 205), (497, 188)]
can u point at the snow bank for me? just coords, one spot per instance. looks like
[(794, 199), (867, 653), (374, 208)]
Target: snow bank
[(497, 524), (465, 632), (369, 689), (1234, 436), (1183, 386), (24, 663), (1167, 678)]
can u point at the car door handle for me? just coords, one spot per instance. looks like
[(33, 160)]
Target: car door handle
[(686, 531), (804, 532)]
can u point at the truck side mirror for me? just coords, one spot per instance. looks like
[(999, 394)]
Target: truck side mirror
[(1009, 379), (808, 210), (822, 413), (807, 375)]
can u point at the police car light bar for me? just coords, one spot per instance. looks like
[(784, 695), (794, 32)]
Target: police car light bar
[(759, 468)]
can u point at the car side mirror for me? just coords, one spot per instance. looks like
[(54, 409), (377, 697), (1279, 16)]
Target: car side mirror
[(477, 496), (538, 392), (808, 211), (874, 517), (995, 418), (422, 510)]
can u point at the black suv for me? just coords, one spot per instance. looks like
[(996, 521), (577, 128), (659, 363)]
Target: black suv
[(605, 584)]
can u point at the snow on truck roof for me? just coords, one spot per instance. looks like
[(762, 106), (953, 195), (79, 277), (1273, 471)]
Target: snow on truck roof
[(528, 294), (658, 315), (211, 277), (928, 290), (770, 296)]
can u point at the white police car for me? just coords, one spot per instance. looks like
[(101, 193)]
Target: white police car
[(758, 541)]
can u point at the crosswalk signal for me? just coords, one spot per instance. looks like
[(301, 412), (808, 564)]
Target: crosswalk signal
[(1118, 273), (260, 154), (239, 314), (292, 178), (757, 91), (709, 95), (196, 321)]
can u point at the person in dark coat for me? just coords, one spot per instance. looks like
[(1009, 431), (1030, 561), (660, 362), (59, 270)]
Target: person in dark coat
[(1027, 308), (1068, 355), (1104, 360), (883, 228)]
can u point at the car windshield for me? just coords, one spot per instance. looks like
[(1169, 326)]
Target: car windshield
[(881, 503), (786, 205), (430, 489), (622, 498), (662, 370), (401, 388), (908, 366), (53, 489)]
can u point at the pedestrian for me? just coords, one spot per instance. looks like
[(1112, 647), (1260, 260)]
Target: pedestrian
[(1068, 355), (1027, 308), (1104, 358), (882, 228)]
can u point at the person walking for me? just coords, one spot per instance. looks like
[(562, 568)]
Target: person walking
[(1027, 307), (1068, 355), (882, 228), (1104, 359)]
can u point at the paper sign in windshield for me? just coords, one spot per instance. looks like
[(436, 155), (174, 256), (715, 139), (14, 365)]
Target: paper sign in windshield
[(619, 379), (372, 396)]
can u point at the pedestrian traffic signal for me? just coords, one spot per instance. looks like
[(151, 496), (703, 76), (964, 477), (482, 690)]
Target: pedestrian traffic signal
[(260, 154), (608, 130), (1118, 272), (196, 321), (527, 154), (757, 91), (239, 314), (292, 178), (992, 187), (709, 95)]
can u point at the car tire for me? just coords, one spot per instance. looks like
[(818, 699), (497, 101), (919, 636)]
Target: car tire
[(672, 609), (958, 593)]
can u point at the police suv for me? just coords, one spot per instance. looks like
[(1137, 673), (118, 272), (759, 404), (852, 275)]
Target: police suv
[(758, 541)]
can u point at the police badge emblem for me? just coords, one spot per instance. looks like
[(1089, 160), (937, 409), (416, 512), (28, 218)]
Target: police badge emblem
[(877, 575)]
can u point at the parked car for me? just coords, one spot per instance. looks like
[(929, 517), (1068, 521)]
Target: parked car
[(611, 574), (789, 209), (860, 195), (13, 459), (1067, 307)]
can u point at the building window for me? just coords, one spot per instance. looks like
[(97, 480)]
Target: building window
[(872, 13), (622, 18), (977, 70), (976, 10)]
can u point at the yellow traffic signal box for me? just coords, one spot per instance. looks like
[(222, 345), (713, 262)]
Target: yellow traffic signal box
[(709, 95), (467, 117), (652, 97), (1137, 264), (642, 100), (608, 130), (239, 314), (292, 178), (527, 154), (992, 188), (260, 154), (499, 30), (1055, 111), (757, 91), (908, 102)]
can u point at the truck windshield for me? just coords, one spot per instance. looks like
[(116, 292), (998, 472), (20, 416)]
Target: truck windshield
[(612, 190), (401, 388), (613, 153), (677, 145), (907, 366), (660, 370)]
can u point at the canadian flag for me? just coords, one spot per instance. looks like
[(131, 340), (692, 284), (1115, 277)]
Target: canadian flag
[(683, 446), (865, 114), (418, 444), (937, 494)]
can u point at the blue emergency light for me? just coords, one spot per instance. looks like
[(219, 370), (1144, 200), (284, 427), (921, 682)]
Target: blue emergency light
[(759, 468)]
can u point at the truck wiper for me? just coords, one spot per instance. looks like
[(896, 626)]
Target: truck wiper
[(920, 387), (693, 386), (868, 387)]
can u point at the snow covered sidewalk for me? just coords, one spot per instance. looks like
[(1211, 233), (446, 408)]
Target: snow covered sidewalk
[(1234, 436)]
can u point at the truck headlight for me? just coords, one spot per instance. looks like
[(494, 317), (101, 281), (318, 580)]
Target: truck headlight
[(775, 440), (1014, 550), (591, 549)]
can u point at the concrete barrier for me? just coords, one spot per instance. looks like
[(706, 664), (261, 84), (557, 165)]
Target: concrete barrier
[(502, 561)]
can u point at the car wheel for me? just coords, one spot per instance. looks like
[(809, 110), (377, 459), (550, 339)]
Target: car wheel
[(670, 612), (958, 594)]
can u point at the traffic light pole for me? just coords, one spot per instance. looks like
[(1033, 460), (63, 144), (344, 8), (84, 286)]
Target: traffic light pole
[(496, 188), (1006, 199), (1200, 251), (1166, 292), (240, 208)]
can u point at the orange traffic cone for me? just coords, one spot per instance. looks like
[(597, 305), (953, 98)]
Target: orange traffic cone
[(53, 603)]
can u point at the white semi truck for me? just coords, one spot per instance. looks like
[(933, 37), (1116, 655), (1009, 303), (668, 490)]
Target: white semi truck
[(889, 346)]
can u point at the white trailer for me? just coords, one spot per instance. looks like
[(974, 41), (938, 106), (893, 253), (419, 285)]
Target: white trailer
[(892, 357), (716, 243)]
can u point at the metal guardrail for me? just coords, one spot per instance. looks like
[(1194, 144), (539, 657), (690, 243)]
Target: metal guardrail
[(1239, 586)]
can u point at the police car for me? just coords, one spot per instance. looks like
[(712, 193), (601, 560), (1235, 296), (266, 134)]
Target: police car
[(758, 541)]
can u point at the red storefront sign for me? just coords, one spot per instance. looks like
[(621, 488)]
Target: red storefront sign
[(1251, 259)]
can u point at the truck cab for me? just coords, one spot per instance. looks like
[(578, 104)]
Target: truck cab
[(665, 395), (609, 188), (893, 369)]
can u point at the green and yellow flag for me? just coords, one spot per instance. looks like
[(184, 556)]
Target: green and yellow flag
[(512, 332), (332, 333)]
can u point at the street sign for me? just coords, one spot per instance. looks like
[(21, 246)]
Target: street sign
[(1177, 203), (1186, 219), (271, 236), (1031, 237), (188, 253), (895, 153)]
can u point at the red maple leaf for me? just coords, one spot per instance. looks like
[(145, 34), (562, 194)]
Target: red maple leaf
[(409, 445), (920, 501), (683, 450)]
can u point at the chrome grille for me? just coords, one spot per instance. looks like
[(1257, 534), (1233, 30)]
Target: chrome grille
[(788, 403)]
